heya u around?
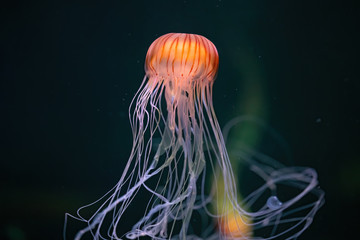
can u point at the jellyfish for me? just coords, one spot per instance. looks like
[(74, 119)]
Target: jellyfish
[(178, 149)]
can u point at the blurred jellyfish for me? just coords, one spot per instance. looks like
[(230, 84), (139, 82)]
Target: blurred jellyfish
[(170, 176)]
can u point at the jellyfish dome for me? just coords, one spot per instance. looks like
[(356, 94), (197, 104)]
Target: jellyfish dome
[(179, 173)]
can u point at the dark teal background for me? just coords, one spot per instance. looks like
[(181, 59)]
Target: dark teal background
[(70, 69)]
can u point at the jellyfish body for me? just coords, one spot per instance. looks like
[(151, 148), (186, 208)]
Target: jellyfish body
[(174, 104)]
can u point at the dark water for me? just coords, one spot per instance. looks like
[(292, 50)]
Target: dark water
[(69, 71)]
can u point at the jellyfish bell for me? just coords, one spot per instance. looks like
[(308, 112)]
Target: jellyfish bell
[(186, 56), (174, 104)]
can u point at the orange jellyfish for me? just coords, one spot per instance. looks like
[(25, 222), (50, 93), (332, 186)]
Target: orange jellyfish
[(174, 104)]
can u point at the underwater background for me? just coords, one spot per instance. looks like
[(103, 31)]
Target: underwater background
[(70, 69)]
